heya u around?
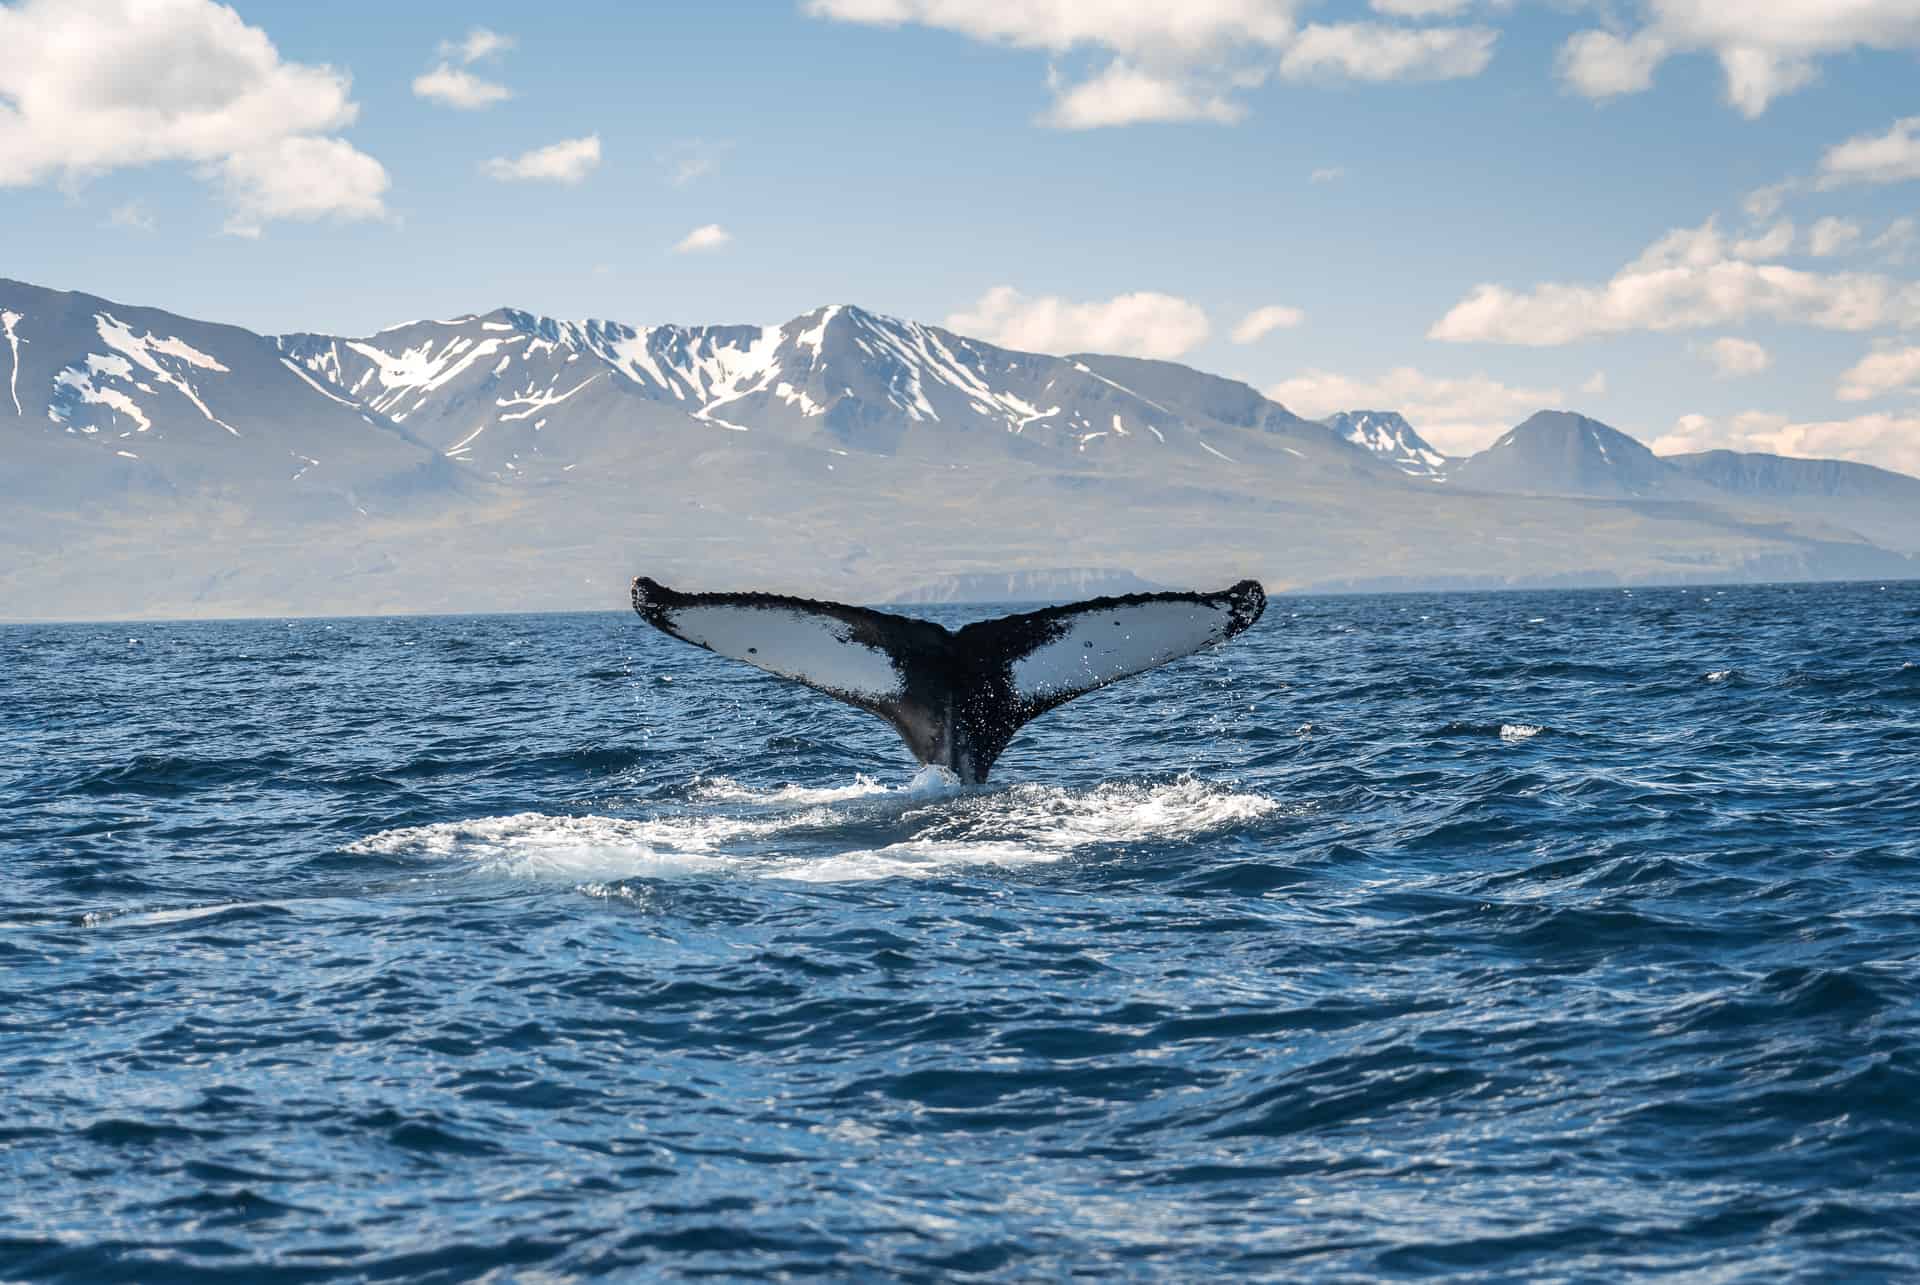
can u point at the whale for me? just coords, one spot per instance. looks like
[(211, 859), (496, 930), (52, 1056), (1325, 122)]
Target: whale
[(957, 697)]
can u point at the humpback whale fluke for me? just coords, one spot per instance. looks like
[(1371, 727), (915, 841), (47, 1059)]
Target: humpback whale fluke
[(956, 698)]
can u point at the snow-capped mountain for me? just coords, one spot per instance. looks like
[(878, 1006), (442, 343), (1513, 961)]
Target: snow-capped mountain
[(157, 464), (111, 399), (1388, 435), (516, 395)]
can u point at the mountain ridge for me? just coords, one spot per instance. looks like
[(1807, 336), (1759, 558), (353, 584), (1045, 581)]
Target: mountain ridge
[(166, 465)]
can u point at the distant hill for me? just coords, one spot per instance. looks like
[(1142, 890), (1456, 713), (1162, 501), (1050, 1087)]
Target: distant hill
[(1761, 476), (1562, 453), (1879, 503)]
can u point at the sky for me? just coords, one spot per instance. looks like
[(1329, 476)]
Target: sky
[(1696, 221)]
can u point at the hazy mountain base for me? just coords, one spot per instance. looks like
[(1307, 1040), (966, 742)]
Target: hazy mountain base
[(875, 529)]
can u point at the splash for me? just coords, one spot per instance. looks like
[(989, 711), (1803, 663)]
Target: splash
[(931, 826)]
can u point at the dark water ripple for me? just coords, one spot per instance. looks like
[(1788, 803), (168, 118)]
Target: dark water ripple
[(1534, 936)]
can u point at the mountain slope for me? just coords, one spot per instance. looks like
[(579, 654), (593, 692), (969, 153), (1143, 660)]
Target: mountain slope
[(1388, 435), (107, 400), (1562, 453), (1882, 505)]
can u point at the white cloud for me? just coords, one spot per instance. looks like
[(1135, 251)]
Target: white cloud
[(1327, 174), (1688, 279), (708, 236), (1733, 357), (478, 43), (1185, 61), (1889, 441), (1459, 416), (1420, 8), (301, 178), (1131, 28), (1264, 321), (568, 161), (1899, 238), (89, 86), (1831, 236), (1764, 50), (1371, 51), (1892, 157), (1141, 324), (1125, 95), (134, 215), (1771, 244), (1875, 375), (1765, 202), (453, 87), (1602, 65), (691, 159), (1596, 384)]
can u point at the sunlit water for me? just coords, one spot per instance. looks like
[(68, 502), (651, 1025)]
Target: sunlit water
[(1546, 935)]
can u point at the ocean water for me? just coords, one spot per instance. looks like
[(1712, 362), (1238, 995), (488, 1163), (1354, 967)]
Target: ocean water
[(1521, 936)]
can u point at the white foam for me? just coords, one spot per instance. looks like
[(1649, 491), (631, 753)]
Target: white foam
[(1520, 731), (722, 789), (1720, 675), (952, 828)]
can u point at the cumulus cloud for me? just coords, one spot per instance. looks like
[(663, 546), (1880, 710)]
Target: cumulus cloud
[(1186, 62), (1691, 278), (1899, 238), (1264, 321), (453, 87), (1892, 157), (1765, 202), (1771, 244), (568, 161), (1879, 373), (1890, 441), (1831, 236), (1141, 324), (1602, 65), (1458, 415), (1764, 50), (1371, 51), (1732, 357), (90, 86), (1131, 28), (479, 43), (301, 178), (1126, 95), (708, 236), (1420, 8)]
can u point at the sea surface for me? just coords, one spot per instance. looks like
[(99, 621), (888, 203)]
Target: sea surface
[(1558, 936)]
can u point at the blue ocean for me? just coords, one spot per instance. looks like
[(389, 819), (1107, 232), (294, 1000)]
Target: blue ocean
[(1520, 936)]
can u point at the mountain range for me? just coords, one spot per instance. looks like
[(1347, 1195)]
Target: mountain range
[(158, 465)]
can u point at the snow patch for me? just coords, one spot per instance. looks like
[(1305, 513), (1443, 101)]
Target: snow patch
[(145, 351), (8, 320)]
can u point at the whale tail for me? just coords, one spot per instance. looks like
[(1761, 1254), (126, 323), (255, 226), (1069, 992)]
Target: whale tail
[(955, 697)]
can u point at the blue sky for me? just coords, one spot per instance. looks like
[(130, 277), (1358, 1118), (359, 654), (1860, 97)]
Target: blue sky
[(1055, 173)]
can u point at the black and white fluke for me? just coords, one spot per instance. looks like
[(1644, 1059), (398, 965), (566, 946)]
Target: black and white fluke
[(955, 697)]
